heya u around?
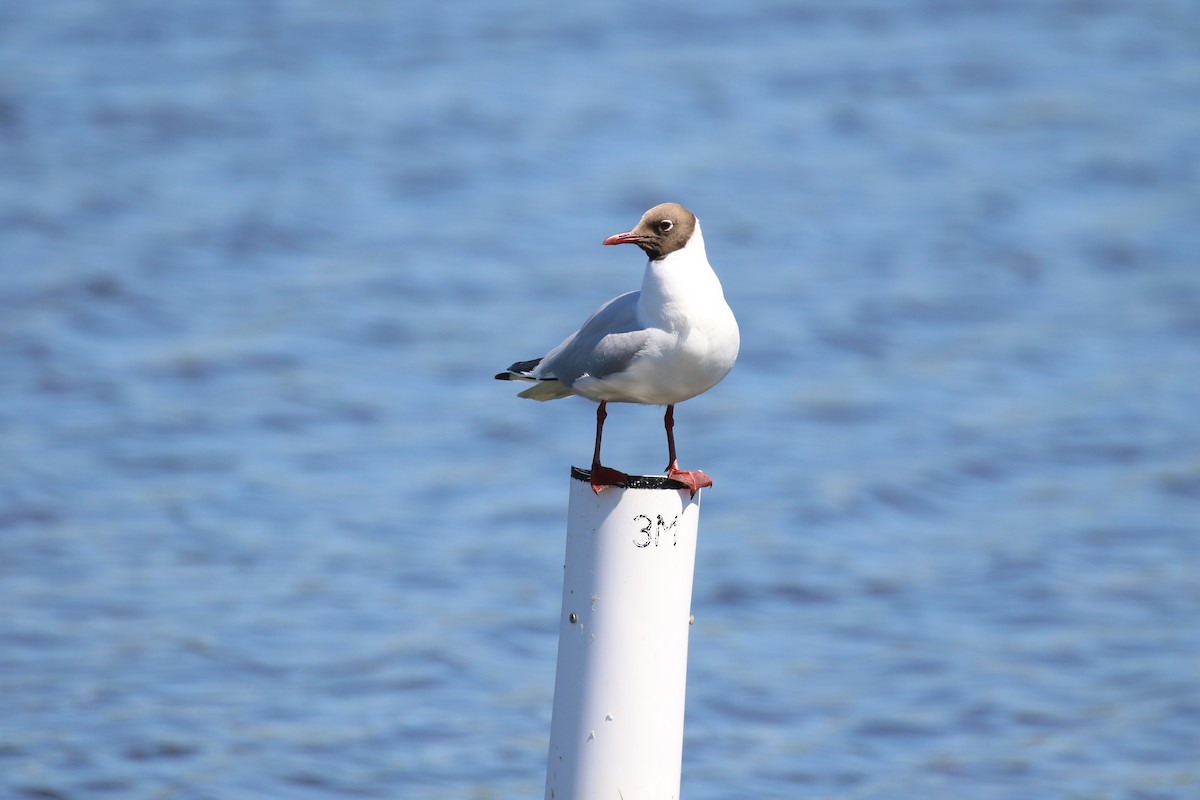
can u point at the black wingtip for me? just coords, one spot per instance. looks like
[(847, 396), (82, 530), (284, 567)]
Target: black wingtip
[(519, 371), (525, 366)]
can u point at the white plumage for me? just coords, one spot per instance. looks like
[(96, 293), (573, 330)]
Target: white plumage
[(670, 341)]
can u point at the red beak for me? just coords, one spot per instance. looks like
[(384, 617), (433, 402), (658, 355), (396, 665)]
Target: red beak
[(629, 237)]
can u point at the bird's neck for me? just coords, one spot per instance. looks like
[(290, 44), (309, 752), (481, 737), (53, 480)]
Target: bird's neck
[(677, 281)]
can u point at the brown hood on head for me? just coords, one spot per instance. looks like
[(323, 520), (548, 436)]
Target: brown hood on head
[(663, 230)]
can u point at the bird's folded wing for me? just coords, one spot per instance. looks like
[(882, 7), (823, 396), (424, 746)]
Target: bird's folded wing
[(605, 344)]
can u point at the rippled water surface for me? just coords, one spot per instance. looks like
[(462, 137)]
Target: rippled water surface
[(268, 529)]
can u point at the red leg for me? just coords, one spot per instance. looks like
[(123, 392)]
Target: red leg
[(694, 480), (669, 424), (603, 477)]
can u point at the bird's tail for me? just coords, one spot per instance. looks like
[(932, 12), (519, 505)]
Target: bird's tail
[(546, 389)]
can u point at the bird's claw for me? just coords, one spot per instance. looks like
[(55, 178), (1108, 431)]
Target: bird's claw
[(692, 480), (604, 477)]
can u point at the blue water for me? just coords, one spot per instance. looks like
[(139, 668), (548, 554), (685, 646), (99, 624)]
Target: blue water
[(268, 528)]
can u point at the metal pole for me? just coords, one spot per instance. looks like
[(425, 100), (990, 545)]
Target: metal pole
[(617, 727)]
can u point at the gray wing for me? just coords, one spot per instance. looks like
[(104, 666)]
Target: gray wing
[(605, 344)]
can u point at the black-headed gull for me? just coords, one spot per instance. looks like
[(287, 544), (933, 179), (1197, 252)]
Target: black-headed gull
[(667, 343)]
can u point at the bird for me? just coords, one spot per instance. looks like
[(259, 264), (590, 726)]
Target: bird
[(670, 341)]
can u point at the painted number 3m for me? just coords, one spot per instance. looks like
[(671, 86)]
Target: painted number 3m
[(650, 531)]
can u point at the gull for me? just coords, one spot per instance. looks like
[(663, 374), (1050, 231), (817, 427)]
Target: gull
[(670, 341)]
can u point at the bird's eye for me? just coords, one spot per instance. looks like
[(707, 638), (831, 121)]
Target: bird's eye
[(666, 225)]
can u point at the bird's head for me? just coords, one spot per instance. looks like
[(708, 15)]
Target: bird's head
[(663, 229)]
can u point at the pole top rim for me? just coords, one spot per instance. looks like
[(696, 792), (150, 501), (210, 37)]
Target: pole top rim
[(635, 481)]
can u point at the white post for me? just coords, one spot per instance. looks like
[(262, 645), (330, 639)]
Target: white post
[(617, 727)]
